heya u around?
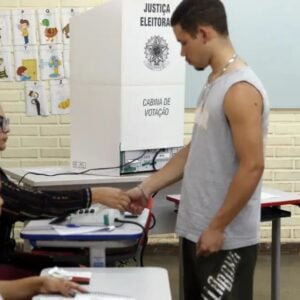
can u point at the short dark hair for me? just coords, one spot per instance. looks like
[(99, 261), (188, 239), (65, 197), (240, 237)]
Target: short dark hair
[(189, 14), (24, 21)]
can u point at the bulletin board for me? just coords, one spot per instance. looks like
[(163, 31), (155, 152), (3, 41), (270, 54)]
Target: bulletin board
[(266, 34)]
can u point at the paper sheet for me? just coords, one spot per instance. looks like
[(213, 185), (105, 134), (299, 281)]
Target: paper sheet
[(64, 230), (90, 296), (265, 196)]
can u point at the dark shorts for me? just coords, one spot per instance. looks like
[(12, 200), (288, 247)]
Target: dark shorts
[(226, 275)]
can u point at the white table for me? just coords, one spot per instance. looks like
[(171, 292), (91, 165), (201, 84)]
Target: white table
[(161, 208), (271, 200), (68, 180), (141, 283), (41, 234), (165, 217)]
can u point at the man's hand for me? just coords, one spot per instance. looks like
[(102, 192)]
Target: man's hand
[(138, 199), (210, 241), (111, 197), (50, 285)]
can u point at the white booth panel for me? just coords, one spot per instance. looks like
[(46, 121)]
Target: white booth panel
[(152, 117), (150, 51), (96, 45), (95, 126)]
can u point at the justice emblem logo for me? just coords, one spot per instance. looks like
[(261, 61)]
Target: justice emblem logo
[(156, 53)]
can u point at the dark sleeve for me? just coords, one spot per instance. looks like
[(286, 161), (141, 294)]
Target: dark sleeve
[(22, 204)]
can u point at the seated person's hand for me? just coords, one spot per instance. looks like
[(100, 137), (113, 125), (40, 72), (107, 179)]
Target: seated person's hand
[(52, 285), (111, 197)]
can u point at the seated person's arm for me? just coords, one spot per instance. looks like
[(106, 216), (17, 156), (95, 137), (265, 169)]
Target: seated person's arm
[(22, 204), (28, 287)]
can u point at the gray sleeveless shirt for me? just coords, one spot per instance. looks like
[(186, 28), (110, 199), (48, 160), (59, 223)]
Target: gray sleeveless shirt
[(212, 163)]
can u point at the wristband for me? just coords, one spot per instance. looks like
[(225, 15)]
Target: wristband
[(142, 191)]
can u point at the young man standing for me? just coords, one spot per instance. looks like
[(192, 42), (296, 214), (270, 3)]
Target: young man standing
[(222, 166)]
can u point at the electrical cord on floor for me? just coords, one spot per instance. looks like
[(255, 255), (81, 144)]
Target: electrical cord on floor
[(144, 236)]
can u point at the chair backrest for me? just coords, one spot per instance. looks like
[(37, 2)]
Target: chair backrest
[(10, 272)]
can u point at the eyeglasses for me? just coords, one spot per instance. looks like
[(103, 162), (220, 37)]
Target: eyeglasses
[(4, 124)]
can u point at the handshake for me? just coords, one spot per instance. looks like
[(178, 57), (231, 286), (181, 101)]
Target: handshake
[(133, 200)]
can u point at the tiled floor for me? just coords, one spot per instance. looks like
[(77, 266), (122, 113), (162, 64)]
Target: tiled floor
[(290, 273)]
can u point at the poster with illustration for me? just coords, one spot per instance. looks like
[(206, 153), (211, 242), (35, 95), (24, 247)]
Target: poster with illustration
[(5, 28), (60, 97), (36, 101), (66, 57), (6, 64), (49, 25), (66, 14), (24, 27), (26, 63), (51, 62)]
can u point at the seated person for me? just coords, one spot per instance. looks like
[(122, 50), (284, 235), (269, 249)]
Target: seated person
[(21, 204), (26, 288)]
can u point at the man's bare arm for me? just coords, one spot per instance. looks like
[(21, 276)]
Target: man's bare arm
[(170, 173), (243, 107)]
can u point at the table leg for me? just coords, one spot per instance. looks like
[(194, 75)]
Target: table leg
[(97, 257), (275, 269)]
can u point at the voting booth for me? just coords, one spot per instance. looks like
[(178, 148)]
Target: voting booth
[(127, 87)]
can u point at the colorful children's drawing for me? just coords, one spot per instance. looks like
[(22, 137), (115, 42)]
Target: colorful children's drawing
[(35, 101), (6, 64), (3, 73), (22, 71), (60, 97), (31, 65), (26, 62), (54, 63), (66, 31), (23, 27), (66, 14), (51, 62), (50, 32), (64, 104)]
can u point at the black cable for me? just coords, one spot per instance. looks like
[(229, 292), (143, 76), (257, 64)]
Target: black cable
[(153, 163), (143, 250), (144, 235), (82, 172), (153, 218), (154, 194), (152, 215), (131, 222)]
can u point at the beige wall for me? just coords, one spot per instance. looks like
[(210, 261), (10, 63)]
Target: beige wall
[(45, 140)]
